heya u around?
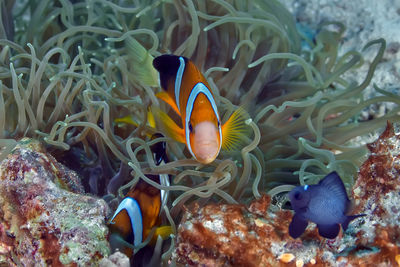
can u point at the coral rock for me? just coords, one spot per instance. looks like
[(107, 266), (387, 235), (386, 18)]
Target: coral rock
[(377, 194), (224, 235), (233, 235), (117, 259), (44, 219)]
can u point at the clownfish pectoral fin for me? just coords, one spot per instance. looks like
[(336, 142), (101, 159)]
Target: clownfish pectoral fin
[(142, 62), (167, 99), (234, 130), (127, 119), (167, 125), (163, 231)]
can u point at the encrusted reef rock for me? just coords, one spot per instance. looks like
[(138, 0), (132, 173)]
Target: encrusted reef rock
[(377, 194), (117, 259), (230, 235), (45, 220), (235, 235)]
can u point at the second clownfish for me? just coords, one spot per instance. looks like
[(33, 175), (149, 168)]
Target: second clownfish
[(188, 93), (140, 210)]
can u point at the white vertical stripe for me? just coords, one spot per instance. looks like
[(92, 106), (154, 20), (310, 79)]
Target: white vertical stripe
[(178, 81), (135, 215), (197, 89), (164, 180)]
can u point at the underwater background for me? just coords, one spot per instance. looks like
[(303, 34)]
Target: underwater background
[(70, 69)]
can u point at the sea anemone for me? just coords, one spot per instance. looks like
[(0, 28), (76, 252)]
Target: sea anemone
[(68, 71)]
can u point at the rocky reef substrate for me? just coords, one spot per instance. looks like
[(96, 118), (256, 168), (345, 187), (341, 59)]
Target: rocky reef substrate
[(236, 235), (45, 219)]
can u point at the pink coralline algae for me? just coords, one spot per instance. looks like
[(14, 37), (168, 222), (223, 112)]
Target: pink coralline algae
[(236, 235), (45, 220)]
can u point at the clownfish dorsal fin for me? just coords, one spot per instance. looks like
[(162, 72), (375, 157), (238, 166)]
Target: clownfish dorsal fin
[(234, 129), (163, 95), (167, 125)]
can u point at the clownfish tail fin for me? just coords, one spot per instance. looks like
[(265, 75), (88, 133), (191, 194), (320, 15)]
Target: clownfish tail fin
[(234, 130), (142, 63)]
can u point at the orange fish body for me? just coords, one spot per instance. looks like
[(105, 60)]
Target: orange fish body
[(136, 215), (139, 211), (187, 92)]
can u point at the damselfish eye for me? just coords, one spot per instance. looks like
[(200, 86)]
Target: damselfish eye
[(190, 127), (297, 195)]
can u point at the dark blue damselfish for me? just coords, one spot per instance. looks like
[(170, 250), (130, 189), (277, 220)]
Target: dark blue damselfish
[(325, 204)]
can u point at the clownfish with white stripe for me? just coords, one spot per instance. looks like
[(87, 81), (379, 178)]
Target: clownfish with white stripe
[(187, 91), (140, 210)]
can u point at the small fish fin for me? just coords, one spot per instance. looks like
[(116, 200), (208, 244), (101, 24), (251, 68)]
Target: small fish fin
[(334, 183), (297, 226), (117, 242), (142, 63), (166, 125), (234, 129), (127, 119), (162, 231), (349, 218), (150, 119), (163, 95), (328, 231)]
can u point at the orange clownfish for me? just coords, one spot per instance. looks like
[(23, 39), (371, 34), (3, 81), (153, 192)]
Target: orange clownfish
[(187, 91), (140, 210)]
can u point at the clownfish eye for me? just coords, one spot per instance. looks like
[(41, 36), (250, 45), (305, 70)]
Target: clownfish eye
[(190, 127), (297, 195), (219, 124)]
